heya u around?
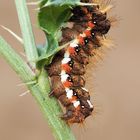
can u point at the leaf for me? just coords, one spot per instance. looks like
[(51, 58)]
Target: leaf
[(51, 18), (53, 13), (41, 49), (47, 51)]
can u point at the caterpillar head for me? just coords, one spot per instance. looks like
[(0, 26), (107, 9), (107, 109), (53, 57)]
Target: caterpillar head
[(102, 27), (77, 115), (73, 115)]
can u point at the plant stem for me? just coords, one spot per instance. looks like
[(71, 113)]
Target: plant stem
[(39, 90), (16, 62), (26, 29)]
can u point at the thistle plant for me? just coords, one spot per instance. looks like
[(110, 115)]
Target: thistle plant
[(51, 16)]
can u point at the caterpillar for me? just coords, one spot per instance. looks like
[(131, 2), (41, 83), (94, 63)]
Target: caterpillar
[(68, 67)]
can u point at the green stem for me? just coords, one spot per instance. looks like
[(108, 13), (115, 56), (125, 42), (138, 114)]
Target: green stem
[(16, 62), (26, 29), (39, 90)]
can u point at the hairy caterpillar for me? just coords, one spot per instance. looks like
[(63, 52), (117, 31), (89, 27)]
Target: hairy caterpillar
[(67, 70)]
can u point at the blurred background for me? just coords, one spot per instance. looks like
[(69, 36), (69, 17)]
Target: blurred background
[(116, 86)]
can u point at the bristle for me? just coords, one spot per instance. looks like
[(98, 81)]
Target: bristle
[(35, 3), (107, 8), (28, 83), (114, 20), (107, 43)]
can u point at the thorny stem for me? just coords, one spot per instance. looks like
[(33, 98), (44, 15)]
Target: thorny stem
[(27, 34), (21, 68)]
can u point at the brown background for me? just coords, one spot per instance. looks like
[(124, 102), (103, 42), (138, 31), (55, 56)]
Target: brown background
[(117, 85)]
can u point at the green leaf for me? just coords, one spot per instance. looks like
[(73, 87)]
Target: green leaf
[(52, 17), (47, 51), (41, 49)]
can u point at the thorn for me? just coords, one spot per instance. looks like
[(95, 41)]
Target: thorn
[(24, 93), (47, 4), (77, 3), (86, 4), (21, 84), (34, 3), (13, 34), (28, 83), (37, 9)]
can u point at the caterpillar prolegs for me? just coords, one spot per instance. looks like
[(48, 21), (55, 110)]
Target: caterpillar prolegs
[(68, 67)]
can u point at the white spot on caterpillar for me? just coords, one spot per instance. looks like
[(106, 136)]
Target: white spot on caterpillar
[(67, 89), (67, 54), (66, 60), (63, 72), (83, 106), (94, 22), (73, 45), (76, 103), (69, 94), (64, 78), (91, 106)]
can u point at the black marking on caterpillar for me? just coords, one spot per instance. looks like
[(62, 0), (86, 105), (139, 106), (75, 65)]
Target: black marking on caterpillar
[(68, 67)]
